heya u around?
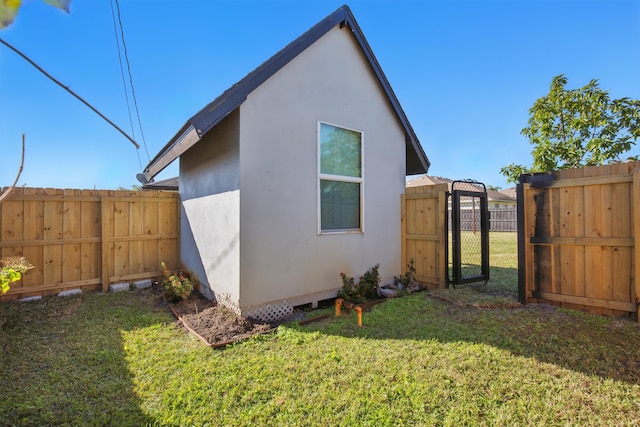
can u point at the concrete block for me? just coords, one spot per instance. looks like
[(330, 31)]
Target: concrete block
[(119, 287), (142, 284), (69, 292), (29, 299)]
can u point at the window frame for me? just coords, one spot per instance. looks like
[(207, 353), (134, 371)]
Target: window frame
[(339, 178)]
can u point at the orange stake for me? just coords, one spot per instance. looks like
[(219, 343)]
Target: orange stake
[(340, 302), (359, 310)]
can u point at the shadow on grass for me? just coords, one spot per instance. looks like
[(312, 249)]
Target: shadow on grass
[(594, 345), (64, 362)]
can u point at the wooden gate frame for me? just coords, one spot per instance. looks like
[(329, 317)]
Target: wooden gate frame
[(424, 239), (546, 281)]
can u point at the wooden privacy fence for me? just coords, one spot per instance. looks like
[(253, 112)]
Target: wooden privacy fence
[(503, 219), (577, 236), (499, 219), (424, 212), (88, 239)]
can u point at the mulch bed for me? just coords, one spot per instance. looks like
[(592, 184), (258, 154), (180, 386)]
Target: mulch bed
[(218, 326), (215, 324)]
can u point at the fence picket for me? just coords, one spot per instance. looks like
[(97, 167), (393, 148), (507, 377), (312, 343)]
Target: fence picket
[(423, 238), (87, 239), (579, 232)]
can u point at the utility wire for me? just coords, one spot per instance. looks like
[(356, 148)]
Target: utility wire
[(26, 58), (124, 82), (133, 92)]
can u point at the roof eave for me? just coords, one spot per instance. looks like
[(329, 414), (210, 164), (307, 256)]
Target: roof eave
[(415, 165), (186, 138)]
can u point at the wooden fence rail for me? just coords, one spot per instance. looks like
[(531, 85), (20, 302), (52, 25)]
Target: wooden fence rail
[(88, 239), (577, 238)]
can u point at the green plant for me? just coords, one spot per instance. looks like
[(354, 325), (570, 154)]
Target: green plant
[(177, 286), (350, 291), (407, 279), (369, 282), (366, 289), (12, 270)]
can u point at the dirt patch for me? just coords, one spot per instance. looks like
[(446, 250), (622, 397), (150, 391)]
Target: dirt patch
[(215, 323)]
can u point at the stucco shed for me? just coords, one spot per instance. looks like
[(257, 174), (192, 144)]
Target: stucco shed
[(294, 174)]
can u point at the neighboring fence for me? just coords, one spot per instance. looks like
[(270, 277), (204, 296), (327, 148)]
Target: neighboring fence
[(423, 233), (88, 239), (503, 219), (577, 237), (499, 219)]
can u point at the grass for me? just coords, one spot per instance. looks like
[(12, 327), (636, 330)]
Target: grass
[(119, 359), (502, 288)]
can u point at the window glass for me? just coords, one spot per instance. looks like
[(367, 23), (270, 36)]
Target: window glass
[(340, 205), (340, 151)]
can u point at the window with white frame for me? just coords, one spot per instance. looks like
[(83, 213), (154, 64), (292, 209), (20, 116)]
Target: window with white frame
[(340, 179)]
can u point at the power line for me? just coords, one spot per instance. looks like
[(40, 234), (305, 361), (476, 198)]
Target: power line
[(26, 58), (133, 92), (124, 82)]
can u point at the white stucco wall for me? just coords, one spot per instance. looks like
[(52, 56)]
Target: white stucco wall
[(210, 222), (281, 253)]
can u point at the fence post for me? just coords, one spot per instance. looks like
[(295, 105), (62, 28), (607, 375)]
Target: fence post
[(442, 229), (522, 256), (403, 231), (104, 264), (636, 239)]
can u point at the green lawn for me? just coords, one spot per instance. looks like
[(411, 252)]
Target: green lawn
[(119, 359)]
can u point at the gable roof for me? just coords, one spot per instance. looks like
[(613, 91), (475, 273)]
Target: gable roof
[(213, 113), (511, 192), (170, 184)]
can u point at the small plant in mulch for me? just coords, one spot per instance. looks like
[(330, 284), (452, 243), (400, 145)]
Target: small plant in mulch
[(177, 286), (406, 283), (366, 289), (403, 284)]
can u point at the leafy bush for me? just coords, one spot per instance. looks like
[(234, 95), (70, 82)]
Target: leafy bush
[(349, 291), (176, 286), (365, 290), (12, 270), (369, 282)]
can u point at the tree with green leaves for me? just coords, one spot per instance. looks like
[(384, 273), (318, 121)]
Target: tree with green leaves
[(572, 128), (9, 9)]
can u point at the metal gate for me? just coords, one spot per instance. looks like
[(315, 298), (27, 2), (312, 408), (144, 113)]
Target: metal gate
[(469, 225)]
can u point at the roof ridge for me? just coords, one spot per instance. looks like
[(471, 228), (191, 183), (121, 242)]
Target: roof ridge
[(215, 111)]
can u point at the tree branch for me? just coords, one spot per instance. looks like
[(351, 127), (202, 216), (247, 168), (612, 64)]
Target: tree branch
[(78, 97), (8, 191)]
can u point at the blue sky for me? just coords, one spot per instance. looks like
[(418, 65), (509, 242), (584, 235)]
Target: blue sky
[(466, 73)]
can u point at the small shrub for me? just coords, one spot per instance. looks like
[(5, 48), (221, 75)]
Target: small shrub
[(406, 282), (176, 286), (366, 289), (369, 282), (350, 291)]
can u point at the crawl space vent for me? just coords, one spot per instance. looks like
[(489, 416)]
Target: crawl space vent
[(271, 312)]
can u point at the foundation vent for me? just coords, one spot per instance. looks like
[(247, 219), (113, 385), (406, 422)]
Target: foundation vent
[(271, 312)]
